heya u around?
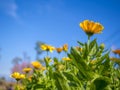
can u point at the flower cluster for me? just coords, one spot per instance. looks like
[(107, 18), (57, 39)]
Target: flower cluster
[(17, 76), (86, 66), (27, 70), (50, 48), (47, 47), (38, 65)]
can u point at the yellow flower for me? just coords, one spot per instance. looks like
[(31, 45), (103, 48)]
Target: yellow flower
[(65, 47), (47, 47), (79, 48), (66, 59), (117, 51), (30, 78), (43, 68), (117, 60), (27, 70), (36, 64), (91, 27), (17, 76), (22, 76), (59, 50)]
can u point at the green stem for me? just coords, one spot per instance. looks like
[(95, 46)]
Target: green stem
[(65, 54), (17, 82), (47, 53), (17, 86), (88, 45), (88, 40), (65, 65)]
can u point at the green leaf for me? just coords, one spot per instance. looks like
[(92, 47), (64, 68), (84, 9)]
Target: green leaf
[(81, 64), (80, 43), (100, 83), (60, 81), (92, 44), (39, 86), (72, 77)]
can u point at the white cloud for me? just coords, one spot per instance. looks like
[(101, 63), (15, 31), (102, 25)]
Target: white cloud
[(12, 10), (49, 6), (9, 7)]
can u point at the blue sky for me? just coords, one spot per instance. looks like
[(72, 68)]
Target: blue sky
[(24, 22)]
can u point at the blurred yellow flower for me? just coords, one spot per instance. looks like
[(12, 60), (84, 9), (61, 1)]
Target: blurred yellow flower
[(79, 48), (65, 47), (22, 76), (66, 59), (36, 64), (30, 78), (47, 47), (117, 51), (91, 27), (43, 68), (27, 70), (59, 50), (117, 60), (17, 76)]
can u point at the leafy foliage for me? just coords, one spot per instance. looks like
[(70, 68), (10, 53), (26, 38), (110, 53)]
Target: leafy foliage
[(87, 67)]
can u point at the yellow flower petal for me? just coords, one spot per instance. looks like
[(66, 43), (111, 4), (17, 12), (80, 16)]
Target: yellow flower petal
[(27, 70), (47, 47), (36, 64), (66, 59), (59, 50), (65, 47), (17, 76), (91, 27)]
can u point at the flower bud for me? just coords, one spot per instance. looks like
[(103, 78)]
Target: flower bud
[(102, 46)]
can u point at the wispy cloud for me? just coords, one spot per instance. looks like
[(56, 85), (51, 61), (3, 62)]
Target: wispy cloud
[(12, 10), (49, 6), (9, 7)]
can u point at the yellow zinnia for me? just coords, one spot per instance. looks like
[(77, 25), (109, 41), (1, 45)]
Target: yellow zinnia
[(47, 47), (43, 68), (36, 64), (22, 76), (27, 70), (91, 27), (30, 78), (65, 47), (117, 51), (66, 59), (78, 48), (117, 60), (59, 50), (17, 76)]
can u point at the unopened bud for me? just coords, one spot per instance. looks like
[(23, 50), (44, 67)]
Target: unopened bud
[(102, 46)]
